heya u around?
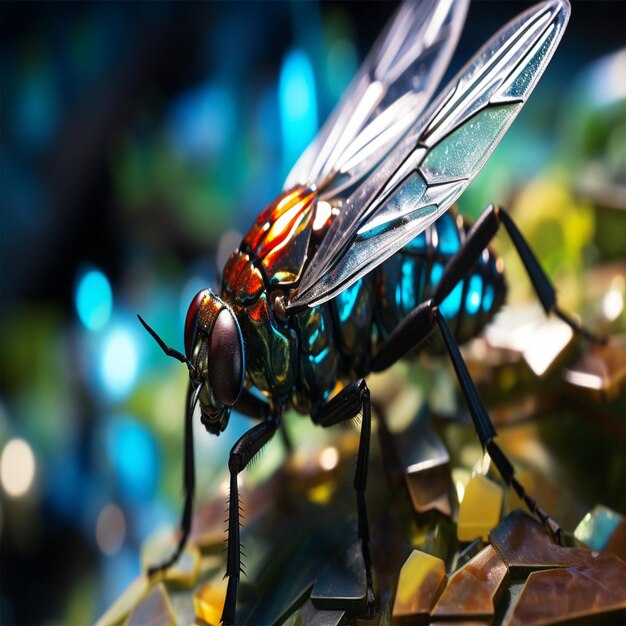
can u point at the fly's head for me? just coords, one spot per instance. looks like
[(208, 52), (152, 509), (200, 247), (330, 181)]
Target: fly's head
[(214, 347)]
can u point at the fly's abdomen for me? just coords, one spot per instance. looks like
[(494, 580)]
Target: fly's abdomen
[(411, 275), (353, 312)]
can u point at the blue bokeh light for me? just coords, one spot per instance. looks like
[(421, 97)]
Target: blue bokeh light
[(37, 111), (298, 105), (134, 455), (65, 484), (94, 300), (119, 362), (202, 121)]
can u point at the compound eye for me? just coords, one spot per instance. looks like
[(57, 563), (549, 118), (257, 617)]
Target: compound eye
[(226, 358), (191, 322)]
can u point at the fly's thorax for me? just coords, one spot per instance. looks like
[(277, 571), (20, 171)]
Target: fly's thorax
[(257, 280), (279, 240), (215, 348), (270, 339), (288, 357), (271, 346)]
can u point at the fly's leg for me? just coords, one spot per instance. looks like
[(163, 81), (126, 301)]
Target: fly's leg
[(249, 405), (241, 454), (255, 407), (486, 431), (189, 477), (189, 483), (352, 400), (542, 285), (252, 406), (284, 435), (414, 329), (477, 240), (418, 322)]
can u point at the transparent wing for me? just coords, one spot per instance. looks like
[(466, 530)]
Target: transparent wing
[(389, 92), (440, 155)]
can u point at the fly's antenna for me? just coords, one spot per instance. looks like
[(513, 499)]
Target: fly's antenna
[(169, 351)]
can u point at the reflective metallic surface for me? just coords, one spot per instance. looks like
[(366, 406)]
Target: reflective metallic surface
[(411, 276), (140, 145), (297, 543), (319, 357), (280, 237), (473, 589), (334, 341), (271, 349), (438, 156)]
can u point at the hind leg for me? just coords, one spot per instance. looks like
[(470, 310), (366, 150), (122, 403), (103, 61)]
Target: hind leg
[(478, 239), (423, 320)]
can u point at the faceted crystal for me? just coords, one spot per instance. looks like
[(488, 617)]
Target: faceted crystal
[(183, 572), (208, 530), (426, 466), (466, 554), (525, 545), (472, 590), (208, 601), (342, 585), (547, 341), (422, 579), (603, 529), (154, 610), (480, 508), (601, 370), (124, 604), (308, 615), (594, 590)]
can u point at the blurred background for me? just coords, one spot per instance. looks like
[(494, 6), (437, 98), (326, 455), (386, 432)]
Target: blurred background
[(138, 142)]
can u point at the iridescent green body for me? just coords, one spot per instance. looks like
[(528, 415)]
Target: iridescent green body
[(300, 358)]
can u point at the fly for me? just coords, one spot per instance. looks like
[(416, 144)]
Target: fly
[(358, 260)]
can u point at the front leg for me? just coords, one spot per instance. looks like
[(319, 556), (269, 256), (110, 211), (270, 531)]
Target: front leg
[(241, 454), (189, 483), (249, 405), (252, 406), (352, 400)]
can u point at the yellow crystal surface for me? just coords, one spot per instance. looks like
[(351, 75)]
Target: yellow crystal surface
[(480, 508), (208, 601), (422, 579)]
